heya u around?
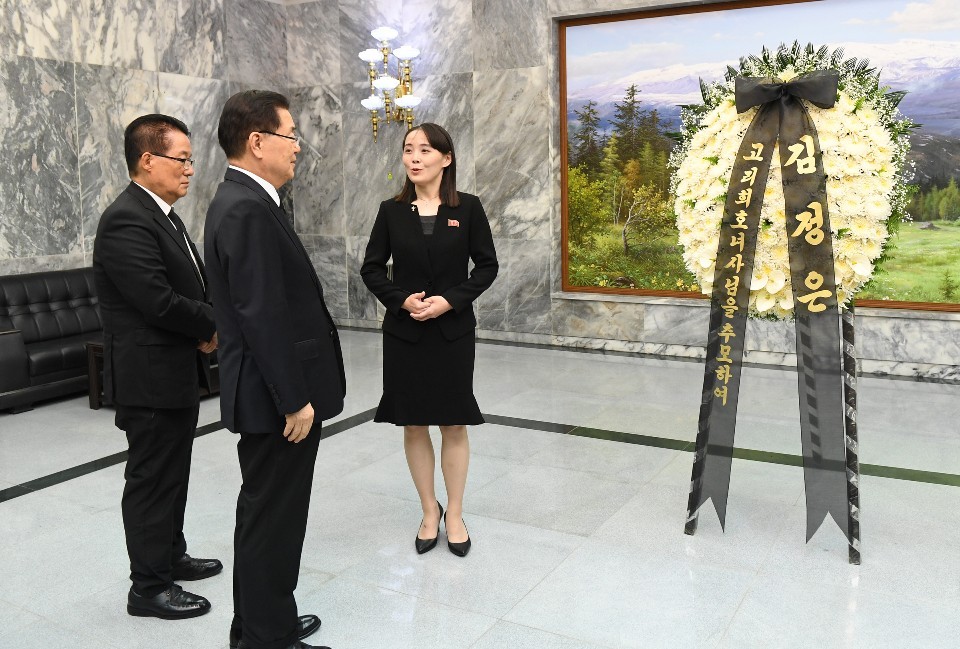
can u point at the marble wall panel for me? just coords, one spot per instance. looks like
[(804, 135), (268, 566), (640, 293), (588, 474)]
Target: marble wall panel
[(256, 44), (528, 281), (491, 306), (120, 33), (510, 34), (919, 340), (190, 38), (107, 100), (24, 265), (46, 29), (362, 305), (512, 153), (39, 192), (318, 186), (198, 102), (443, 32), (357, 19), (447, 102), (329, 257), (598, 319), (313, 44), (578, 8), (372, 171), (678, 324)]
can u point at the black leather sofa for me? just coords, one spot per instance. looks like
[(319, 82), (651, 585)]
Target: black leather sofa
[(45, 320)]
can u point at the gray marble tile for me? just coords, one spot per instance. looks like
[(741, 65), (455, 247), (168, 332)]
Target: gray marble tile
[(48, 29), (513, 33), (108, 99), (23, 265), (329, 257), (120, 33), (597, 319), (920, 340), (372, 171), (190, 38), (39, 194), (198, 102), (515, 636), (675, 324), (313, 44), (574, 8), (511, 133), (357, 19), (528, 282), (491, 306), (318, 186), (446, 101), (362, 303), (255, 44), (442, 31)]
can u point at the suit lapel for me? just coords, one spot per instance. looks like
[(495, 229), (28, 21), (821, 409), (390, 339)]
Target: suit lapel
[(279, 215), (167, 226)]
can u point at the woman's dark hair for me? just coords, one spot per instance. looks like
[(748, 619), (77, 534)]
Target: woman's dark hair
[(148, 133), (245, 113), (440, 140)]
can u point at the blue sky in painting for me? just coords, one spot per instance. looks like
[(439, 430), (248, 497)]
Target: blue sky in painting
[(916, 45)]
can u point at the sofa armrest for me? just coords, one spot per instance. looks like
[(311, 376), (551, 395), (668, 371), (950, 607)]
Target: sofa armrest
[(14, 365)]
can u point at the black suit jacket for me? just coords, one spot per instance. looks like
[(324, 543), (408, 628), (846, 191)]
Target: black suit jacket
[(152, 303), (279, 348), (436, 264)]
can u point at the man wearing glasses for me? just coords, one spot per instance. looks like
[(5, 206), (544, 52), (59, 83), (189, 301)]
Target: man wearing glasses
[(281, 370), (157, 329)]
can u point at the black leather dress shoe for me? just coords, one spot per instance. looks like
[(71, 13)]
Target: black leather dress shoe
[(459, 549), (308, 625), (425, 545), (172, 604), (186, 568), (295, 645)]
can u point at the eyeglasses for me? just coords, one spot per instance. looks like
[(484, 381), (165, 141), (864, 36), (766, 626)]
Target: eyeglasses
[(294, 138), (186, 162)]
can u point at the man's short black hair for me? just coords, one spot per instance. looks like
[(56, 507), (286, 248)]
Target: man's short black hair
[(245, 113), (148, 133)]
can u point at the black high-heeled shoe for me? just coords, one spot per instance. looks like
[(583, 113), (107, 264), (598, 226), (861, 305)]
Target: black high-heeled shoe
[(459, 549), (425, 545)]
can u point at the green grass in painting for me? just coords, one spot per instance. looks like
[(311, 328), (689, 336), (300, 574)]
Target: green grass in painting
[(654, 264), (923, 265)]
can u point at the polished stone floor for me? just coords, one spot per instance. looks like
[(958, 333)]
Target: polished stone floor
[(577, 528)]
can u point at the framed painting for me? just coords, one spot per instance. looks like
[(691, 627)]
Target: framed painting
[(624, 78)]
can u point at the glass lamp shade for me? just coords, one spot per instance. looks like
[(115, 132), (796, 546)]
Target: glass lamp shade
[(406, 53), (384, 33), (373, 102), (370, 56), (408, 101), (385, 82)]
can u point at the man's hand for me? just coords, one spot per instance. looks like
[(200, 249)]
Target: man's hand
[(209, 346), (436, 306), (413, 303), (299, 424)]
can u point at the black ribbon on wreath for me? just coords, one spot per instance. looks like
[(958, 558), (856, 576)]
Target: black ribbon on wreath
[(782, 117)]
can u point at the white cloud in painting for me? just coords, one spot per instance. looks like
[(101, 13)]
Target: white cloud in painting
[(937, 15), (592, 68)]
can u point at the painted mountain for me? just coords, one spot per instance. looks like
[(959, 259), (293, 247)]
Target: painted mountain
[(928, 70)]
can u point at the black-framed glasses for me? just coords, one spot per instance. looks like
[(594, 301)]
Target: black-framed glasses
[(186, 162), (294, 138)]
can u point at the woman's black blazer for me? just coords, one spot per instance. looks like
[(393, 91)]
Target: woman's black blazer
[(436, 264)]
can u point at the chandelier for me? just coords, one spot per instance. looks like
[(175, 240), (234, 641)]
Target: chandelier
[(392, 94)]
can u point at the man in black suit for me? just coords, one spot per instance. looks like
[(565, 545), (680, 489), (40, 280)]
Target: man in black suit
[(157, 328), (281, 370)]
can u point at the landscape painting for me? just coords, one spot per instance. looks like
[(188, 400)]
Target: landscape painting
[(623, 84)]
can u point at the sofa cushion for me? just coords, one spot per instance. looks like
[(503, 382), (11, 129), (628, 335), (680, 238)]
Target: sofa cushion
[(49, 306), (59, 355)]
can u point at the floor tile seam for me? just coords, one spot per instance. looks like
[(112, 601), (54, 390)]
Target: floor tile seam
[(592, 643), (377, 586)]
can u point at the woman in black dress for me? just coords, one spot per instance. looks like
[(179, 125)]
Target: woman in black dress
[(432, 231)]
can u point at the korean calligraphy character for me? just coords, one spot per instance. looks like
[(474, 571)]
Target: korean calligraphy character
[(806, 164), (814, 281), (755, 153)]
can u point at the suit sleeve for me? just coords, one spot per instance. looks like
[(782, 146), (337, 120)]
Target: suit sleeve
[(484, 256), (374, 268), (248, 247), (131, 257)]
